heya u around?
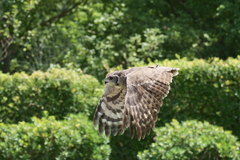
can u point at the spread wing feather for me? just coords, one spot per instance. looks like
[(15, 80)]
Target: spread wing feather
[(108, 115), (146, 88)]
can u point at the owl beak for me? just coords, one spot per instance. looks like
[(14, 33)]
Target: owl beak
[(106, 81)]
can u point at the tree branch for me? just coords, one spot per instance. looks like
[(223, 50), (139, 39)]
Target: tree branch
[(188, 11), (5, 43), (60, 15), (172, 7)]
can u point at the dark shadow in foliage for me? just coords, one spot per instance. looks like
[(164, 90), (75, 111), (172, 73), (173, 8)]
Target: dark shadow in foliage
[(125, 148)]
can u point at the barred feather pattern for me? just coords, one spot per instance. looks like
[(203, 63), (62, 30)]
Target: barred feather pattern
[(109, 113), (133, 98)]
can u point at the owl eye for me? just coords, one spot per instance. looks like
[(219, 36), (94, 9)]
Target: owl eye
[(110, 78)]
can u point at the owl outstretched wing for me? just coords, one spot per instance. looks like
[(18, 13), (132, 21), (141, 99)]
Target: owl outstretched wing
[(133, 98), (109, 112), (146, 87)]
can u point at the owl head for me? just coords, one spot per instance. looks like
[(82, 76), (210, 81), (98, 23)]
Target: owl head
[(115, 79)]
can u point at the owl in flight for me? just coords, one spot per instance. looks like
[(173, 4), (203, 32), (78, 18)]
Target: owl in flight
[(132, 98)]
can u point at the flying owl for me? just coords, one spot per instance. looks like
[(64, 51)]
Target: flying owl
[(132, 98)]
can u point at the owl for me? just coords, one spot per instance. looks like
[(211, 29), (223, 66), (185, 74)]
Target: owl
[(132, 98)]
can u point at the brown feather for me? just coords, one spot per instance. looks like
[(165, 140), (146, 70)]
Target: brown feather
[(131, 126)]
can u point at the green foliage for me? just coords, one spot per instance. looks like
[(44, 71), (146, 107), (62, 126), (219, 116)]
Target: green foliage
[(206, 91), (98, 35), (192, 140), (203, 90), (130, 31), (25, 26), (59, 91), (48, 139), (106, 40)]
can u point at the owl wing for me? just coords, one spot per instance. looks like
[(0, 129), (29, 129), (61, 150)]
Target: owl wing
[(146, 87), (108, 115)]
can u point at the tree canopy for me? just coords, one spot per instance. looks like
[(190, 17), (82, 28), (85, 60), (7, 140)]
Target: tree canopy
[(98, 35)]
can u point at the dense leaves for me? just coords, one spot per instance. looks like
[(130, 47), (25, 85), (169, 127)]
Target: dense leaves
[(207, 91), (192, 140), (26, 27), (96, 36), (48, 139), (59, 91)]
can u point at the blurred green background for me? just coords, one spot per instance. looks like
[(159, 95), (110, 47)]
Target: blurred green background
[(55, 54)]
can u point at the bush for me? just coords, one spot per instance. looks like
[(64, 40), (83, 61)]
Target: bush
[(59, 91), (206, 90), (47, 139), (192, 140)]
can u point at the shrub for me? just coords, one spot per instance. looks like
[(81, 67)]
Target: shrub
[(192, 140), (59, 91), (206, 90), (47, 139)]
